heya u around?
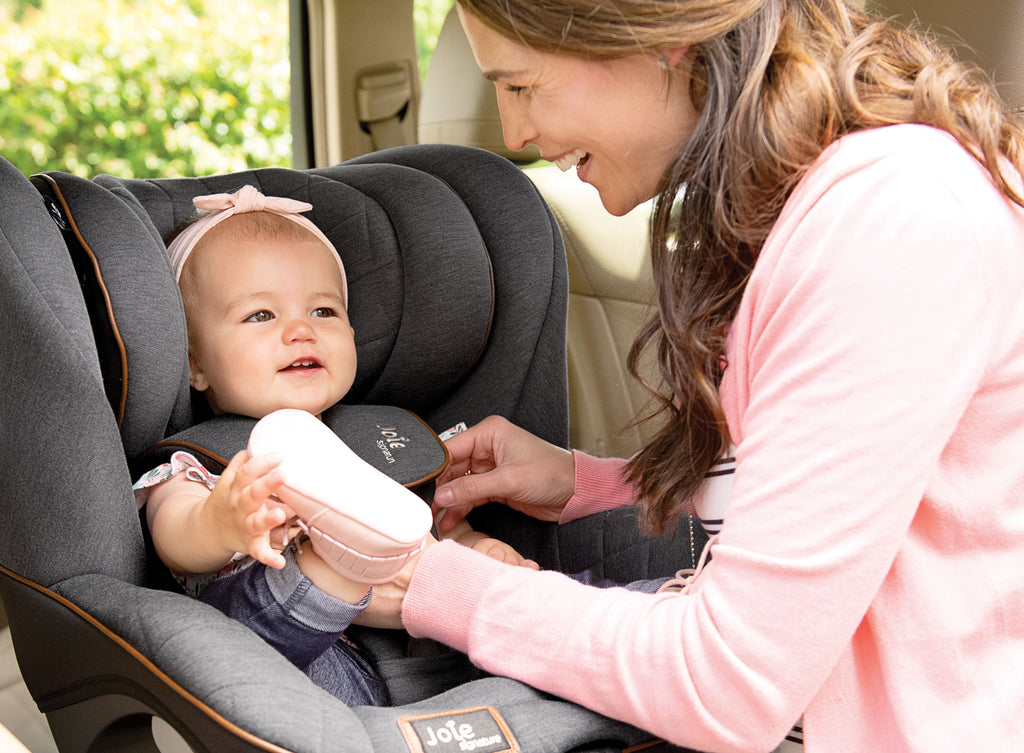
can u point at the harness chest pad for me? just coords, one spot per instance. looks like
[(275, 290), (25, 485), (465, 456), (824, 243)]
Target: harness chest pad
[(394, 441)]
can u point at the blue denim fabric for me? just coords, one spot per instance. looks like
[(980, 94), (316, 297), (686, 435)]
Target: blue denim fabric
[(302, 622), (650, 586)]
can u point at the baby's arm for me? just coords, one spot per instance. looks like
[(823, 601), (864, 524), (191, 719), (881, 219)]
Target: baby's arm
[(196, 530)]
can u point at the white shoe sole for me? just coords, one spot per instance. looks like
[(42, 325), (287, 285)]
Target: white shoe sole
[(362, 523)]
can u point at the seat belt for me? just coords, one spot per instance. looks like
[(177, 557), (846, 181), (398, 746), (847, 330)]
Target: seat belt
[(383, 96)]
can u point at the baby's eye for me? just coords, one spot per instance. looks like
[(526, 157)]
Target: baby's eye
[(324, 312), (259, 317)]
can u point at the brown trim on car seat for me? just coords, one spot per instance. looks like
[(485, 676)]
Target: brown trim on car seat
[(122, 398), (652, 746), (149, 666), (194, 449), (447, 455)]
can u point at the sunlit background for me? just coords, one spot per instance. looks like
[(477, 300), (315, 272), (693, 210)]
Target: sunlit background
[(148, 88)]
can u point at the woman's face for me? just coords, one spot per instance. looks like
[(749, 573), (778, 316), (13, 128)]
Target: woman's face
[(627, 117)]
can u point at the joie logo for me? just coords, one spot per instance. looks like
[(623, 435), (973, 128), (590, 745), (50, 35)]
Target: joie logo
[(479, 730), (390, 442)]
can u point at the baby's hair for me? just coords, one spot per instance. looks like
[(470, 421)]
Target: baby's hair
[(245, 227), (257, 226)]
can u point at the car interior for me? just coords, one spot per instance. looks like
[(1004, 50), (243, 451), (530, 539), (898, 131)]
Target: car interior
[(358, 106)]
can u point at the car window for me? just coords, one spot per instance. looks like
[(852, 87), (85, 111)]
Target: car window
[(153, 88), (429, 15), (144, 87)]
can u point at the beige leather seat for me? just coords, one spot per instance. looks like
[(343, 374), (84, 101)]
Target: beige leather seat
[(990, 33), (10, 743), (610, 290), (610, 298)]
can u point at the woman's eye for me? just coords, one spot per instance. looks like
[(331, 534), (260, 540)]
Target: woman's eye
[(515, 90), (259, 317)]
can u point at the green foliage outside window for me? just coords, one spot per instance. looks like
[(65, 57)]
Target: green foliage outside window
[(143, 88), (428, 16)]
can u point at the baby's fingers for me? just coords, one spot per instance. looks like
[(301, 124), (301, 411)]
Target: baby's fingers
[(257, 479), (262, 551), (261, 473), (261, 525), (266, 518)]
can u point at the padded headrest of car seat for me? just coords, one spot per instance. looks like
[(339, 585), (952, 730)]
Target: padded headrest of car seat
[(133, 303), (419, 278)]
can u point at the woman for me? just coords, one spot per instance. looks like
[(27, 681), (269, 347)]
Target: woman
[(838, 246)]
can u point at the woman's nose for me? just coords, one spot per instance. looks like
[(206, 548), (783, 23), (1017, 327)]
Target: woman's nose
[(517, 128)]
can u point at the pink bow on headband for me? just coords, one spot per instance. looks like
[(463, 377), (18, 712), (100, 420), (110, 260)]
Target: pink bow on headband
[(249, 199), (246, 199)]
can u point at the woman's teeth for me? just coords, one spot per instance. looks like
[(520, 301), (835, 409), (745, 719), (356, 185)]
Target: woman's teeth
[(568, 161)]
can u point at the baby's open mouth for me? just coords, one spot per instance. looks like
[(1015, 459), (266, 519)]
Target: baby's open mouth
[(302, 364)]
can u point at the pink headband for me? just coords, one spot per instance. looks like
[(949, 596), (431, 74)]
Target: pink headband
[(246, 199)]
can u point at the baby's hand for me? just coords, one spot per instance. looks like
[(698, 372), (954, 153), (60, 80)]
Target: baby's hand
[(499, 550), (241, 509)]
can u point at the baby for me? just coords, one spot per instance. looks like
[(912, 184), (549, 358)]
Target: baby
[(265, 299)]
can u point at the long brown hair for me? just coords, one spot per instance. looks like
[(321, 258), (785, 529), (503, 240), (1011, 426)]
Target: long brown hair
[(776, 82)]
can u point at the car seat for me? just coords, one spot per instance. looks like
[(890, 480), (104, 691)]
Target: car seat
[(457, 282)]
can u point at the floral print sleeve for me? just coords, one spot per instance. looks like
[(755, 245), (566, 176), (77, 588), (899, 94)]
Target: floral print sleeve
[(183, 462)]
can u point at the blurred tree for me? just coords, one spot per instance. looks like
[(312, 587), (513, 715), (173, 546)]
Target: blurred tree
[(428, 16), (148, 88), (144, 87), (18, 7)]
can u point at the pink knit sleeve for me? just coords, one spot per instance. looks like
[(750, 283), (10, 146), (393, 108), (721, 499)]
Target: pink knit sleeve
[(599, 487)]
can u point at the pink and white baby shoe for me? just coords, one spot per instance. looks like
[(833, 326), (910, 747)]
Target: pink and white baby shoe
[(362, 523)]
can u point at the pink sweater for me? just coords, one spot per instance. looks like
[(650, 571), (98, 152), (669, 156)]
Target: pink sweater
[(870, 572)]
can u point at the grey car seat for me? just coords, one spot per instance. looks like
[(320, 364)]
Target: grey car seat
[(458, 293)]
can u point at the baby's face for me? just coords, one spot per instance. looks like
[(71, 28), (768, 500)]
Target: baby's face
[(268, 326)]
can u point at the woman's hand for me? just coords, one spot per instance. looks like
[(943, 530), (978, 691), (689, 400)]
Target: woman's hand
[(385, 607), (496, 461)]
